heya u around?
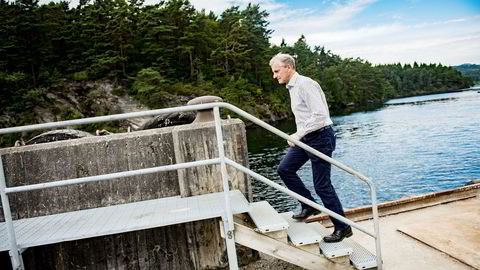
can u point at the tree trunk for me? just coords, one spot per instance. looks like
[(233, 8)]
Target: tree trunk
[(33, 75), (191, 63), (123, 61)]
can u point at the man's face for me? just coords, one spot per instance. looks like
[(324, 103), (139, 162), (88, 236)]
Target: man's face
[(282, 73)]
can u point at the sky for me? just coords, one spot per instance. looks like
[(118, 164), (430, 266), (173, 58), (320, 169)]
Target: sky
[(379, 31)]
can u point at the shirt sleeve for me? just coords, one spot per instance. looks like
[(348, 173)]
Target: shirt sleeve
[(316, 103)]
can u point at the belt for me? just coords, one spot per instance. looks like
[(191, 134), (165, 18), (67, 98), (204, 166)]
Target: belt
[(324, 128), (319, 130)]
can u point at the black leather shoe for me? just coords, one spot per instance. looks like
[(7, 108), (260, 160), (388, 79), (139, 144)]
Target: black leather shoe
[(305, 213), (338, 235)]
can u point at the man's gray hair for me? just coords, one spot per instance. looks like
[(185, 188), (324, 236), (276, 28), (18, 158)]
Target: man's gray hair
[(284, 59)]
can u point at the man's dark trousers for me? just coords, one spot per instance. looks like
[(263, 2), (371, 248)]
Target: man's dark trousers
[(323, 141)]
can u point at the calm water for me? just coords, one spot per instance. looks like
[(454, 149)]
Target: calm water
[(410, 146)]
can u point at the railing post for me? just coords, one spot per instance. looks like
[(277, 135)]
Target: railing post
[(376, 228), (15, 256), (228, 225)]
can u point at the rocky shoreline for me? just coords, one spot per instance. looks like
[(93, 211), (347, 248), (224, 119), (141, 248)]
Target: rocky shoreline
[(267, 262)]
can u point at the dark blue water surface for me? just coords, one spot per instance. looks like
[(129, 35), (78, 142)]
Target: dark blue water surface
[(410, 146)]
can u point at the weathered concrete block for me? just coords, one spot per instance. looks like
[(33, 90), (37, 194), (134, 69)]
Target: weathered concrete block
[(195, 245), (90, 156), (198, 141)]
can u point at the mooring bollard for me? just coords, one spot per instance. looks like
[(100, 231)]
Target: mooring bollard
[(204, 115)]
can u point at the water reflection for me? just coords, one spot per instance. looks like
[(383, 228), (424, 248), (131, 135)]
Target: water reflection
[(420, 145), (346, 130), (420, 102)]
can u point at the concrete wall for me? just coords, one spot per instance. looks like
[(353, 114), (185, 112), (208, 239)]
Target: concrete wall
[(196, 245)]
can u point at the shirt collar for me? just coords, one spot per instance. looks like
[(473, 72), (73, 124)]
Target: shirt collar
[(292, 81)]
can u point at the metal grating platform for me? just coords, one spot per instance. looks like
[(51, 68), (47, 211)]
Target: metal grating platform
[(119, 219), (330, 250), (361, 258), (299, 232), (266, 219)]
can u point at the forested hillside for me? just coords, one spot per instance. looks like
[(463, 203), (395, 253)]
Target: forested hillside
[(470, 70), (158, 52)]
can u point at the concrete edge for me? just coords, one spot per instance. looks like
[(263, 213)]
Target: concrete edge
[(86, 140), (453, 256), (115, 136), (406, 204)]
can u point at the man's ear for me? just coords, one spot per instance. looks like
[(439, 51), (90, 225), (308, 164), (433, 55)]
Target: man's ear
[(290, 68)]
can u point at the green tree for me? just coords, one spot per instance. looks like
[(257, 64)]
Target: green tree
[(231, 56)]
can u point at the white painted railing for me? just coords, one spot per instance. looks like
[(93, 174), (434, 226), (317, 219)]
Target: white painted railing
[(15, 253)]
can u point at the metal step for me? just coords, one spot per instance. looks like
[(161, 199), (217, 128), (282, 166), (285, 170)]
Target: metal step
[(121, 218), (330, 250), (248, 237), (266, 219), (299, 232), (361, 258)]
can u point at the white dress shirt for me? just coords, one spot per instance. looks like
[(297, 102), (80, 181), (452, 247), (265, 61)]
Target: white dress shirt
[(309, 105)]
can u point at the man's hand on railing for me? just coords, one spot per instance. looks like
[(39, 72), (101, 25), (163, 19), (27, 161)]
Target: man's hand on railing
[(293, 136)]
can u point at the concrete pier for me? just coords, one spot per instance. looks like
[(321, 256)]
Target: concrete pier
[(195, 245)]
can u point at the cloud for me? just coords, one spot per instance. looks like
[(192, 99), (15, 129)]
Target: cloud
[(311, 20), (347, 11), (450, 42), (218, 6)]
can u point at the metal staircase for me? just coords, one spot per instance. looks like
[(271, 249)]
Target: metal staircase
[(299, 243)]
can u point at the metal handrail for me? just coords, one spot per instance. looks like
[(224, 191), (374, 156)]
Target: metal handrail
[(107, 118), (110, 176), (373, 192), (222, 160)]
